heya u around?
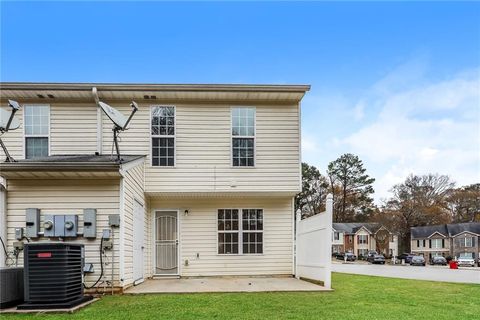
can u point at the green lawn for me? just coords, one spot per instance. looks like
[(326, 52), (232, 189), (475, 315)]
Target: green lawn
[(355, 297)]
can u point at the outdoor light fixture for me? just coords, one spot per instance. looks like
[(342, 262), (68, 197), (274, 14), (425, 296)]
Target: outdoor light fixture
[(185, 213)]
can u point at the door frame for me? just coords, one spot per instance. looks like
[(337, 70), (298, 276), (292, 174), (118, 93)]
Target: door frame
[(154, 246), (142, 205)]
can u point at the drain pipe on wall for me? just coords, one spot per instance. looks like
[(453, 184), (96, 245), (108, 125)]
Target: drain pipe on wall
[(3, 220), (99, 121)]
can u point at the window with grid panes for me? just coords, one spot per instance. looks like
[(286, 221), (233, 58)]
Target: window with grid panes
[(243, 136), (36, 123), (252, 227), (240, 231), (163, 136)]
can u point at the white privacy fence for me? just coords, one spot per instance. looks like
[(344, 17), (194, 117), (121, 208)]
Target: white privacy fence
[(314, 245)]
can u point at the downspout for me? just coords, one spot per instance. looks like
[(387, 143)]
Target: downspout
[(3, 220), (99, 122)]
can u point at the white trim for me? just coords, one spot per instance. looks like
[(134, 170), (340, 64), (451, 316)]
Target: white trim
[(154, 248), (174, 136), (466, 231), (125, 167), (122, 233), (300, 185), (3, 222), (254, 137), (240, 232), (363, 227), (293, 235), (436, 232), (25, 136), (99, 130)]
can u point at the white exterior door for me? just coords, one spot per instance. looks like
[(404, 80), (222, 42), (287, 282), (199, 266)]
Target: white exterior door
[(166, 243), (138, 238)]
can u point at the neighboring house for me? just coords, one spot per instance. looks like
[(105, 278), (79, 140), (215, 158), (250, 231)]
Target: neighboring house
[(359, 238), (446, 240), (206, 186)]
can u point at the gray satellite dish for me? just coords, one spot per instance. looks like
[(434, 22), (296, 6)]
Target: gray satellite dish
[(8, 122), (120, 122)]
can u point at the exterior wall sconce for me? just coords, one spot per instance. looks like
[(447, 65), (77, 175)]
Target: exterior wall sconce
[(185, 213)]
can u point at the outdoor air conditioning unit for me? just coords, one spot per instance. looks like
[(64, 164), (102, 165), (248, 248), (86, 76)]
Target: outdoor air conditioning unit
[(53, 276), (11, 287)]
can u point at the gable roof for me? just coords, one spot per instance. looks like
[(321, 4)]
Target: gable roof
[(353, 227), (452, 229), (427, 231)]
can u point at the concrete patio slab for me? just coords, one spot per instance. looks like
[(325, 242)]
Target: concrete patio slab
[(211, 284)]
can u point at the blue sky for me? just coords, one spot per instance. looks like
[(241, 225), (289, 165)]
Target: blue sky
[(395, 83)]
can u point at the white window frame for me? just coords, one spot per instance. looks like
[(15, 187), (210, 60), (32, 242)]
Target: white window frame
[(465, 242), (336, 236), (254, 137), (174, 136), (240, 232), (25, 135), (364, 241), (437, 244)]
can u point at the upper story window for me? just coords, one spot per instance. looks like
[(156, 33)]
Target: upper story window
[(37, 129), (362, 239), (421, 243), (163, 136), (437, 243), (466, 242), (336, 236), (243, 136)]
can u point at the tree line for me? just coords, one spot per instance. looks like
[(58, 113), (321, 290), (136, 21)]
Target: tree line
[(420, 200)]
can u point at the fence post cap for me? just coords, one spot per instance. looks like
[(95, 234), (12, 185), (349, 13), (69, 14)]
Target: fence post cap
[(329, 196)]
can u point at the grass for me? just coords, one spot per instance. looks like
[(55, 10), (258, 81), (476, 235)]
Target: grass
[(355, 297)]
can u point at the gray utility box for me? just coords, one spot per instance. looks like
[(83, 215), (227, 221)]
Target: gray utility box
[(11, 287), (90, 223), (62, 226), (32, 221)]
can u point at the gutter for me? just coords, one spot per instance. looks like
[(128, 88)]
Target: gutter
[(153, 87)]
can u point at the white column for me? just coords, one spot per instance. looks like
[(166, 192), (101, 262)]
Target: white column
[(328, 240)]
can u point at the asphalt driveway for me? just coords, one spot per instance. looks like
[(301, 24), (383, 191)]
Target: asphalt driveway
[(432, 273)]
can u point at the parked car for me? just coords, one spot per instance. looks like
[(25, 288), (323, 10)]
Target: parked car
[(371, 254), (406, 256), (377, 258), (478, 264), (438, 260), (350, 256), (466, 261), (417, 261)]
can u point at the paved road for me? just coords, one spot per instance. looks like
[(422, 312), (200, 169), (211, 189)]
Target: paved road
[(432, 273)]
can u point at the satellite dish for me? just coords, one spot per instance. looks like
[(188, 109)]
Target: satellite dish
[(8, 122), (114, 115), (120, 122)]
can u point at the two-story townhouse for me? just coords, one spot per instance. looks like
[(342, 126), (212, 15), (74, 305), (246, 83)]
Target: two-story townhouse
[(360, 238), (338, 239), (430, 241), (206, 186), (465, 238), (455, 240)]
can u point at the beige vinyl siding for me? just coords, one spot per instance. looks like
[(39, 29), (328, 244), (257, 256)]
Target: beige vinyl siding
[(198, 234), (73, 130), (67, 197), (203, 149), (133, 191)]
